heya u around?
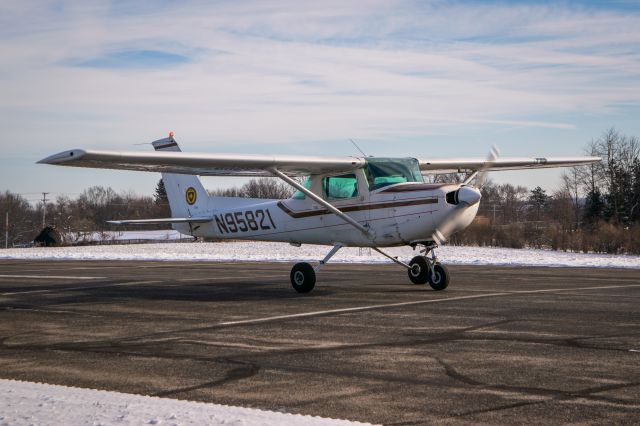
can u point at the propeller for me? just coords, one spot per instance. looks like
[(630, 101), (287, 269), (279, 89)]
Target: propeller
[(481, 174), (464, 197)]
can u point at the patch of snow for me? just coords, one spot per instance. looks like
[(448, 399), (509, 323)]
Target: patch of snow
[(283, 252), (153, 235), (43, 404)]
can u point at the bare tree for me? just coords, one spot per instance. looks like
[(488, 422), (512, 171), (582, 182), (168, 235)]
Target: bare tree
[(572, 181), (265, 187)]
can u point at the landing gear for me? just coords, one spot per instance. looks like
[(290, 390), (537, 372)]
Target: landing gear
[(422, 272), (424, 268), (438, 275), (303, 277)]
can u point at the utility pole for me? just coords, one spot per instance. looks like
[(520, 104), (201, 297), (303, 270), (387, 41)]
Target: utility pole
[(44, 208), (6, 231)]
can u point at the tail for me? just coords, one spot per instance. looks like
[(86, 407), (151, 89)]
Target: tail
[(187, 197)]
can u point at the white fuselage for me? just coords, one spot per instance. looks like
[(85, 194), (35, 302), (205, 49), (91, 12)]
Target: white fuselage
[(397, 214)]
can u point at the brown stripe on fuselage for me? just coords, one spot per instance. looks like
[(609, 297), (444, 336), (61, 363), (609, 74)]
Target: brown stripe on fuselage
[(409, 187), (357, 207)]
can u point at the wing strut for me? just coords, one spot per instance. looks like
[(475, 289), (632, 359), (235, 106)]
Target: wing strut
[(319, 200), (393, 258)]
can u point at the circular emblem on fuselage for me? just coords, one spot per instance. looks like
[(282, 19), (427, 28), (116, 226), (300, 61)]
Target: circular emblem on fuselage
[(191, 196)]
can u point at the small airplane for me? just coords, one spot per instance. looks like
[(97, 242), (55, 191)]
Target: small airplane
[(344, 202)]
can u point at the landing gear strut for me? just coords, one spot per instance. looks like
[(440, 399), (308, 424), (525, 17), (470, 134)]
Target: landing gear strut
[(303, 275)]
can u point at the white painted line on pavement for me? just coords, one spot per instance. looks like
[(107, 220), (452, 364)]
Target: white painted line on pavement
[(85, 287), (359, 308), (53, 277), (416, 302), (238, 276)]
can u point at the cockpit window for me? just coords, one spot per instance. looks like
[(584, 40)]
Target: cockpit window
[(387, 171), (343, 186)]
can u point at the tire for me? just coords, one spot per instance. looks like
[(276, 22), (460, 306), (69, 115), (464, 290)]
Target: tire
[(419, 272), (441, 277), (303, 277)]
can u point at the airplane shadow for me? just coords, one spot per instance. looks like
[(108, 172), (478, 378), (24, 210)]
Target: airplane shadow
[(219, 291)]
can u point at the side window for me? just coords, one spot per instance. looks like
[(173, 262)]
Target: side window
[(340, 187)]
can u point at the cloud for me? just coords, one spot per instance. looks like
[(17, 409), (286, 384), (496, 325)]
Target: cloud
[(133, 59), (97, 73)]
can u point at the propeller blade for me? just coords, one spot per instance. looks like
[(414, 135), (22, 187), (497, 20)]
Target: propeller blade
[(442, 233), (494, 153)]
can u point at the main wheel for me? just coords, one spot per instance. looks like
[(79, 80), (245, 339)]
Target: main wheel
[(419, 272), (303, 277), (441, 279)]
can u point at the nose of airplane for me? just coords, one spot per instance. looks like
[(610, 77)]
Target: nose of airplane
[(469, 195)]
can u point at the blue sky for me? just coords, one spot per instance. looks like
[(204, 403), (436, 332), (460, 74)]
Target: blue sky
[(426, 79)]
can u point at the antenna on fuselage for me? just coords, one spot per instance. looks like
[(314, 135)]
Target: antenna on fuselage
[(358, 148)]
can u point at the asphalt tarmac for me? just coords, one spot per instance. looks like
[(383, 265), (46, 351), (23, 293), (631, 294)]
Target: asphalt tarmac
[(500, 345)]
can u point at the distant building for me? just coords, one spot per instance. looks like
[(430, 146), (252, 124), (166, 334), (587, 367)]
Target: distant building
[(48, 237)]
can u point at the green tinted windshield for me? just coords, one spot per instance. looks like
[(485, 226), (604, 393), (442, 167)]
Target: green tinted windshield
[(387, 171)]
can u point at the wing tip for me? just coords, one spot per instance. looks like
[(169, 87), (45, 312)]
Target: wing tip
[(63, 157)]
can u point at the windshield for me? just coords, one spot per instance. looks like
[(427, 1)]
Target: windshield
[(387, 171)]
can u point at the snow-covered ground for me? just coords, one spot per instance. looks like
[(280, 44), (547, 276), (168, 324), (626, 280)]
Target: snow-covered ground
[(282, 252), (25, 403)]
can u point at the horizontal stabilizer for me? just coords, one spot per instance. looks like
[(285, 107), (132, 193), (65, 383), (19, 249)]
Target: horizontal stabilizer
[(161, 221)]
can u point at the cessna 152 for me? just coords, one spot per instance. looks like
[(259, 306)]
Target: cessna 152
[(345, 201)]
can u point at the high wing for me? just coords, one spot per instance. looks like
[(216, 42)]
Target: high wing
[(207, 164), (504, 163), (204, 164)]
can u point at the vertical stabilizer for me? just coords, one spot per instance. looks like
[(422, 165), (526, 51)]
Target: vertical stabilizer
[(187, 197)]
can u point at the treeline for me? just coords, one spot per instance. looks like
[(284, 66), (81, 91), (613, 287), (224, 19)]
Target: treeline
[(596, 209), (91, 210), (86, 213)]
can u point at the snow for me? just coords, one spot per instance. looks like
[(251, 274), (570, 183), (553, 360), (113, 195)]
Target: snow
[(157, 235), (283, 252), (26, 403)]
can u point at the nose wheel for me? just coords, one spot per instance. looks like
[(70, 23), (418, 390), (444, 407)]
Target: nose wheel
[(439, 278)]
